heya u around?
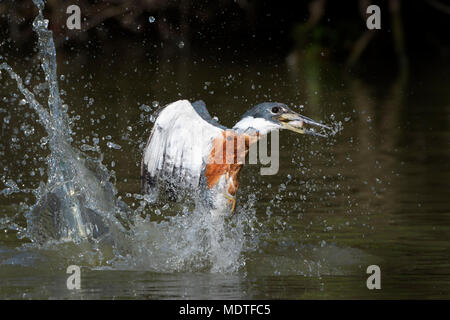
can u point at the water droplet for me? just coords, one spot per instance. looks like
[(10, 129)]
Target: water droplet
[(181, 44), (145, 108), (112, 145), (151, 19)]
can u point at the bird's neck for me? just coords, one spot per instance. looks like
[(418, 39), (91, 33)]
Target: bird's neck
[(227, 157), (250, 125)]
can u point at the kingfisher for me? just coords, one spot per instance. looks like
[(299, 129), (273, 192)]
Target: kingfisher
[(187, 150)]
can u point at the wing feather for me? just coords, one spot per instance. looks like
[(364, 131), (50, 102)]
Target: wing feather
[(178, 146)]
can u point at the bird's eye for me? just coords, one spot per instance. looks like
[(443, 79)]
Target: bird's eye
[(276, 109)]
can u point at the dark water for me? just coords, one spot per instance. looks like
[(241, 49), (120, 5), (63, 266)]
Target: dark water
[(375, 193)]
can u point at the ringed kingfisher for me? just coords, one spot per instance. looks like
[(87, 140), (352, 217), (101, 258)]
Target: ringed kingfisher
[(181, 152)]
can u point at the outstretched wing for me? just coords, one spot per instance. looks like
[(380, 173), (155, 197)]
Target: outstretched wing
[(178, 145)]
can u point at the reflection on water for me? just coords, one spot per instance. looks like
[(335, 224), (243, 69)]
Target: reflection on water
[(376, 193)]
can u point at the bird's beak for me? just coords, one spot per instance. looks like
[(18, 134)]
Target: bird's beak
[(301, 124)]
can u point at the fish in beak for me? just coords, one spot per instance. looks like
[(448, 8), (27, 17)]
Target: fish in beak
[(295, 122)]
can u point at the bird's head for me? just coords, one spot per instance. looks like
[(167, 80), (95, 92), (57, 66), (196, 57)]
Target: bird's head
[(269, 116)]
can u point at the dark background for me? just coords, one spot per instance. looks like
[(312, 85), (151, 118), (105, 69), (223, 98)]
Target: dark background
[(241, 28)]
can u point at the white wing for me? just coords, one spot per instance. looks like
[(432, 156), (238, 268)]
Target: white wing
[(178, 146)]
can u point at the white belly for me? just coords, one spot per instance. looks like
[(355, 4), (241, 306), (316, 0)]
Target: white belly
[(219, 201)]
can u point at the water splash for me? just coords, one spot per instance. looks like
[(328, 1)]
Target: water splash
[(76, 202), (192, 241)]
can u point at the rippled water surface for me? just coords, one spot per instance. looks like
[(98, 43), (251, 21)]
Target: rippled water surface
[(377, 192)]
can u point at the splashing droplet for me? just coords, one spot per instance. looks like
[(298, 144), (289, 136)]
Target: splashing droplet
[(113, 145)]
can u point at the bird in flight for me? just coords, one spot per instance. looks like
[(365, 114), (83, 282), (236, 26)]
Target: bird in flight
[(188, 151)]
